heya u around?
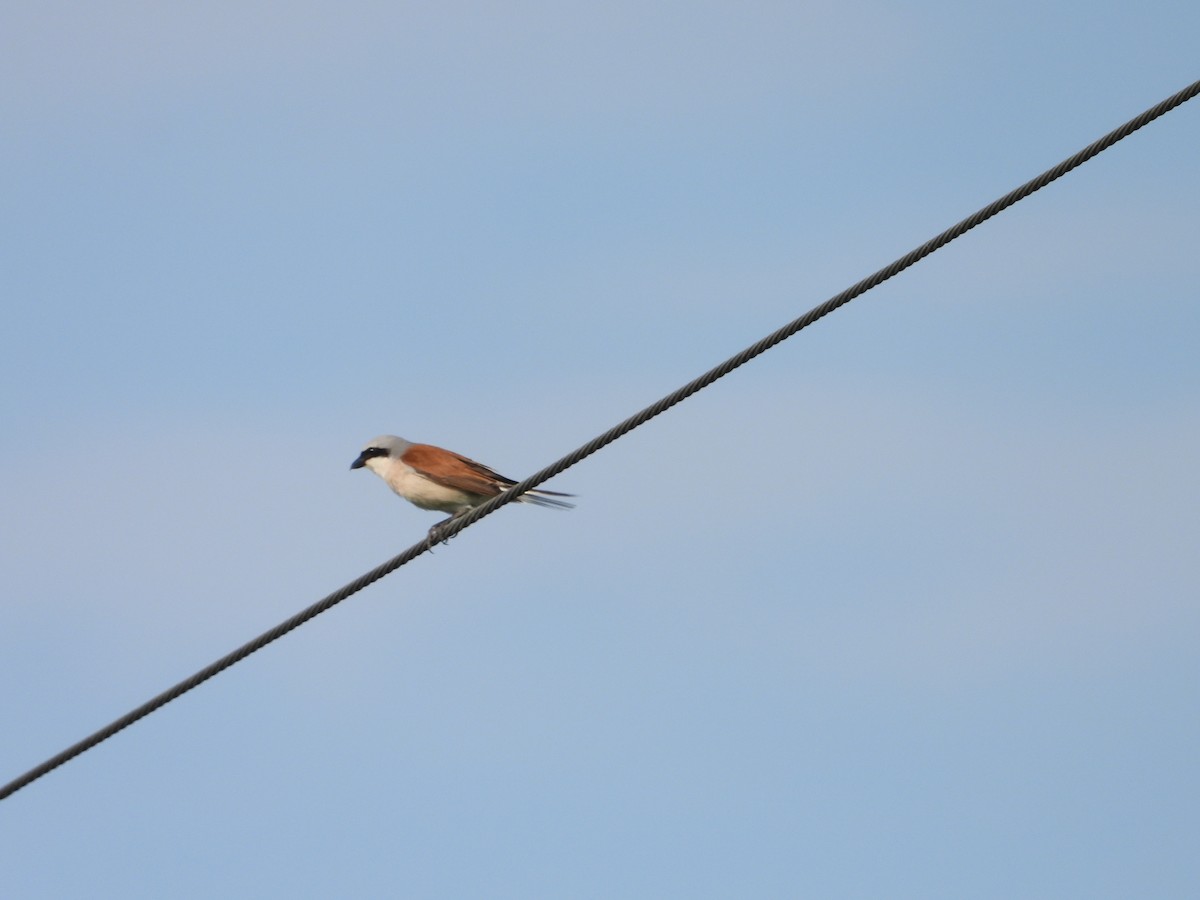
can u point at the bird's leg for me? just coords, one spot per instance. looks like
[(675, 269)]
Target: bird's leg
[(436, 531)]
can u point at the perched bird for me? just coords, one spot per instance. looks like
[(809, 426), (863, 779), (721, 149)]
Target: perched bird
[(433, 478)]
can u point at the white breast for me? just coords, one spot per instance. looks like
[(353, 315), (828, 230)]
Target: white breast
[(419, 490)]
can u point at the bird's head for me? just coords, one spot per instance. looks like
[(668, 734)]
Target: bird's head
[(379, 450)]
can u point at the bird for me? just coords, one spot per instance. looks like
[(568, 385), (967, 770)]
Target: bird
[(433, 478)]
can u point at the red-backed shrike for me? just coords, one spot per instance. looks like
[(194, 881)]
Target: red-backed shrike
[(433, 478)]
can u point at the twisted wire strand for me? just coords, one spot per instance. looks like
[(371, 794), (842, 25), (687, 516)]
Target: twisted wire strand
[(824, 309), (617, 431)]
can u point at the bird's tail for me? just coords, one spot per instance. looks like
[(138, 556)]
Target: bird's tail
[(549, 499)]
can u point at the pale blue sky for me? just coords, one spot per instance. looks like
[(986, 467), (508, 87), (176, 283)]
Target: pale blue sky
[(907, 608)]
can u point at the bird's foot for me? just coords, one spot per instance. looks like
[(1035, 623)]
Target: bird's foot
[(435, 534)]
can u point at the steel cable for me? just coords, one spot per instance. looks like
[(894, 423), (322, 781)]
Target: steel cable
[(609, 436)]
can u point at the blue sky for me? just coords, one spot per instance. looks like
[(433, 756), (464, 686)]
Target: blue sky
[(906, 608)]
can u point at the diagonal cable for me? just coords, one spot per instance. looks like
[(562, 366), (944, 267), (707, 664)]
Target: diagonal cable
[(634, 421)]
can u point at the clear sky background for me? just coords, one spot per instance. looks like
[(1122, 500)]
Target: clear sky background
[(906, 608)]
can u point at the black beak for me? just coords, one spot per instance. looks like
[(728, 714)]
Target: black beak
[(367, 455)]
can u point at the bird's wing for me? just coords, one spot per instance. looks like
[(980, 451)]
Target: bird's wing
[(450, 470)]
